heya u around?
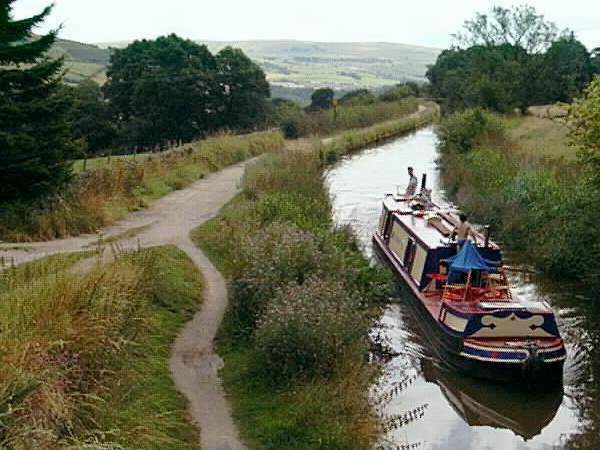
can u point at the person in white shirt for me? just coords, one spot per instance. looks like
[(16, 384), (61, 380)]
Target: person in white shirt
[(411, 189)]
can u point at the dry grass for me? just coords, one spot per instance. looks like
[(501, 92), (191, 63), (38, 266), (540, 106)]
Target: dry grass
[(102, 196), (83, 361), (540, 137)]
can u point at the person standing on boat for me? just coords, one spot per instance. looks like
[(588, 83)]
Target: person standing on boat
[(411, 189)]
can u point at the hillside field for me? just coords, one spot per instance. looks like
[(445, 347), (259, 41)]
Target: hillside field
[(294, 68)]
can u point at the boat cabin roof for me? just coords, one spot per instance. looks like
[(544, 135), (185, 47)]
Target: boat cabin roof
[(431, 233)]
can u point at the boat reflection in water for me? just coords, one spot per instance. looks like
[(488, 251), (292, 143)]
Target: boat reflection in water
[(482, 403)]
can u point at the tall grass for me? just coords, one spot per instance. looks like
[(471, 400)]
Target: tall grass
[(355, 140), (102, 196), (347, 117), (84, 357), (303, 299)]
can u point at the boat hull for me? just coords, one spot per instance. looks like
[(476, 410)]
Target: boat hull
[(450, 349)]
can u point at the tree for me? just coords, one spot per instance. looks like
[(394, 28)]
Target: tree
[(164, 89), (91, 117), (585, 128), (595, 60), (565, 70), (244, 88), (35, 144), (321, 99), (519, 26), (399, 92), (358, 97), (495, 77)]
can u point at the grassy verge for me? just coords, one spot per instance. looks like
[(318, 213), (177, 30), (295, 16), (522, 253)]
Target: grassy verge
[(84, 357), (294, 367), (540, 205), (330, 121), (102, 196)]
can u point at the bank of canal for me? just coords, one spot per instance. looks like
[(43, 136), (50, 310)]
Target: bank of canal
[(451, 410)]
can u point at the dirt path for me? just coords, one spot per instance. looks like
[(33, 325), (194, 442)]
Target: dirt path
[(193, 361)]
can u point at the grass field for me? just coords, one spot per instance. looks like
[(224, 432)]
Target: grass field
[(540, 136), (104, 161), (84, 360)]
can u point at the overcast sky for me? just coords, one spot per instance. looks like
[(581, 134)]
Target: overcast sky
[(420, 22)]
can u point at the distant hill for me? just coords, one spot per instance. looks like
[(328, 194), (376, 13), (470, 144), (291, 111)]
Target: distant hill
[(82, 60), (339, 65), (294, 68)]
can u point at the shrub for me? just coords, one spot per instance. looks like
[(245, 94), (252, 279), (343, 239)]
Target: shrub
[(462, 131), (308, 329), (274, 256), (399, 92)]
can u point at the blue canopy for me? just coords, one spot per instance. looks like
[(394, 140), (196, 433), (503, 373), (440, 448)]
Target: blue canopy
[(467, 259)]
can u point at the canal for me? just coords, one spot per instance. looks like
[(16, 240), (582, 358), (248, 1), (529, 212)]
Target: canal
[(439, 408)]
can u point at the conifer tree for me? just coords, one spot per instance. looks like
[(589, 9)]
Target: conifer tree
[(35, 144)]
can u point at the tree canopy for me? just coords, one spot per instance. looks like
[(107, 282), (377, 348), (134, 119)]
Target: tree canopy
[(321, 98), (519, 26), (91, 119), (174, 89), (35, 144), (585, 132), (358, 97), (514, 59), (244, 89)]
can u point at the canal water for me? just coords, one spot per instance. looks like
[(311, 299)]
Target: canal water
[(439, 408)]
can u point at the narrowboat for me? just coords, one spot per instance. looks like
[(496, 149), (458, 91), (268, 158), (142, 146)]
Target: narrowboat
[(463, 298)]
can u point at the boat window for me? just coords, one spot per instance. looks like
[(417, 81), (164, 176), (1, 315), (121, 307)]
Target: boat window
[(410, 253), (418, 263), (383, 221), (398, 241)]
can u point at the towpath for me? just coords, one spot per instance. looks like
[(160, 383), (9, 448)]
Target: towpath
[(193, 361)]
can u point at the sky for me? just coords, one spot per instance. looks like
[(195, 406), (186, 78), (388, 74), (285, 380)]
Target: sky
[(419, 22)]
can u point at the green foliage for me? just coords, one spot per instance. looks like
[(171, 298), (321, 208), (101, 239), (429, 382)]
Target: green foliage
[(321, 99), (519, 26), (346, 117), (163, 90), (245, 90), (306, 329), (564, 71), (285, 114), (460, 132), (490, 77), (273, 257), (358, 97), (538, 205), (91, 118), (174, 89), (399, 92), (585, 131), (35, 145), (511, 59)]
